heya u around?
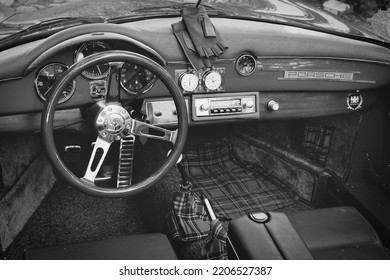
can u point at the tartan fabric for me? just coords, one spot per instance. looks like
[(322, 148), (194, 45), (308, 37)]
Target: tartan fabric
[(187, 220), (215, 246), (235, 188), (316, 143)]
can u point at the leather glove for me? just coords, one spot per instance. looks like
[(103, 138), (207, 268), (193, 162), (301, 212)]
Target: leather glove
[(188, 47), (206, 39)]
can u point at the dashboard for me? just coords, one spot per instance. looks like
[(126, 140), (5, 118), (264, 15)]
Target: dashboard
[(270, 71), (133, 79)]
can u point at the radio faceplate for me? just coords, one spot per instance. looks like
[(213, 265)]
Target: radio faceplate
[(225, 106)]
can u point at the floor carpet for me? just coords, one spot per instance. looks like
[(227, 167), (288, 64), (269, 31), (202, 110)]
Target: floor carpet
[(234, 188), (68, 216)]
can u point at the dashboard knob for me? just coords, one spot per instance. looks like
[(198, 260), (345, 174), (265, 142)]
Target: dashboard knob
[(248, 104), (273, 105), (205, 107)]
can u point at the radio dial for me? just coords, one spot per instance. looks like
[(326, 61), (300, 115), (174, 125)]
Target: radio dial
[(205, 107), (248, 105)]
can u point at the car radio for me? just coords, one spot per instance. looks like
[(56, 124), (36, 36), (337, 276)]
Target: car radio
[(223, 106)]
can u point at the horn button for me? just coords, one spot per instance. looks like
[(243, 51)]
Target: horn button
[(113, 122)]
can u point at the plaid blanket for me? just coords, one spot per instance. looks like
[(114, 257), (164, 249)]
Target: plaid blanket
[(215, 247), (187, 219), (235, 188)]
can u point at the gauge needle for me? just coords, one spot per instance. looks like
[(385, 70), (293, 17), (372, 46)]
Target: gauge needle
[(47, 91), (132, 78), (100, 71)]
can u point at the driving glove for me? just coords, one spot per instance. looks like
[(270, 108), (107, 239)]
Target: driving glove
[(206, 39)]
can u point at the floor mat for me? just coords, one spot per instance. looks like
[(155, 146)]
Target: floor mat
[(235, 188)]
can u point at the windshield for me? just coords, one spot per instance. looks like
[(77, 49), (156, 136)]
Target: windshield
[(16, 15)]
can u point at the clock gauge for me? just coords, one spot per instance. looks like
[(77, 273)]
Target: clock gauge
[(212, 80), (189, 81)]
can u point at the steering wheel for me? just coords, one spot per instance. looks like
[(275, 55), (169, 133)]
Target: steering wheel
[(114, 123)]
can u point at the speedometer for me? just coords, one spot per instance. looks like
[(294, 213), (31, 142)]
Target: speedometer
[(100, 70), (48, 76), (135, 79)]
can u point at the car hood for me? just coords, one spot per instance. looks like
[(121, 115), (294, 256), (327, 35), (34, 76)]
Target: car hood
[(281, 11)]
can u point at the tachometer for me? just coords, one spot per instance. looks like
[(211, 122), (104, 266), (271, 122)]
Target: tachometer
[(48, 76), (98, 71), (135, 79)]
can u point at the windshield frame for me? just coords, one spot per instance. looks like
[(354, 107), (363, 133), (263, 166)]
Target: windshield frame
[(172, 9)]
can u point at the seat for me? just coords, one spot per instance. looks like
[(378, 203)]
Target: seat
[(325, 234), (133, 247)]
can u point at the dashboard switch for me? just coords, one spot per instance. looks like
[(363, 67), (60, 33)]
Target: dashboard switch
[(273, 105)]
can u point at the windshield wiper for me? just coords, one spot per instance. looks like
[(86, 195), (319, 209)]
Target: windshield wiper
[(45, 28)]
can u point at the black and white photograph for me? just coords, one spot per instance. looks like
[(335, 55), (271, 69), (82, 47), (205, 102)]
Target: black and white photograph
[(174, 139)]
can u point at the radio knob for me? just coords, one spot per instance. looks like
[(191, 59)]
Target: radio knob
[(205, 107), (249, 104), (273, 105)]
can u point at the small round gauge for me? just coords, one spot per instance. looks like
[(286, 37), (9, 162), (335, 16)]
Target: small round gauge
[(135, 79), (189, 81), (98, 71), (245, 64), (48, 76), (212, 80)]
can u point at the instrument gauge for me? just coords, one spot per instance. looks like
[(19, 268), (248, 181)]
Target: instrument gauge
[(212, 80), (135, 79), (245, 65), (48, 76), (100, 70), (189, 81)]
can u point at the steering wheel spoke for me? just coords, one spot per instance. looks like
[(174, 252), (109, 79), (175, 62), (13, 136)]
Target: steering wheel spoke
[(99, 153), (114, 87), (152, 131), (125, 165)]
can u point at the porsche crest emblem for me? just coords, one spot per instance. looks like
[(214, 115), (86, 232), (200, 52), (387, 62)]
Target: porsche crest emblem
[(354, 101)]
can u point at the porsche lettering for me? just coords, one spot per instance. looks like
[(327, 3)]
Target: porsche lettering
[(318, 75)]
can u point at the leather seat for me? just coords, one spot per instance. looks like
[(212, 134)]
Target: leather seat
[(133, 247), (330, 233)]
